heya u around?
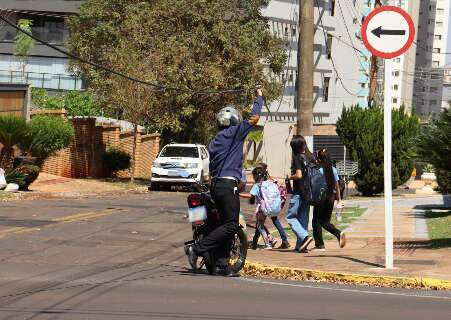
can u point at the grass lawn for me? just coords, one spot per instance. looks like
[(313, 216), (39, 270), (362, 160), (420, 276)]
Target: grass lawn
[(348, 215), (439, 227)]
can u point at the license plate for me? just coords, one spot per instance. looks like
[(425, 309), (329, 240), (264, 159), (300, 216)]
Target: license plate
[(197, 214), (173, 173)]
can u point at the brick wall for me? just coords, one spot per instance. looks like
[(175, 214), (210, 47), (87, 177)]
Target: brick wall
[(83, 158)]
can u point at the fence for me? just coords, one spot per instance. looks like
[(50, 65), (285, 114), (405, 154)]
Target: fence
[(48, 81), (83, 158)]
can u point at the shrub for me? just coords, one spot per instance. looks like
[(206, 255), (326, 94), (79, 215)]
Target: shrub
[(433, 146), (30, 173), (12, 130), (362, 131), (115, 160), (15, 176), (46, 135)]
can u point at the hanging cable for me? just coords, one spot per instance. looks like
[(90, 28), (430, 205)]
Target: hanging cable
[(158, 87), (329, 51)]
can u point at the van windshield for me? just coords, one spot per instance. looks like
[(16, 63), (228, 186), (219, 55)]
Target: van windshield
[(183, 152)]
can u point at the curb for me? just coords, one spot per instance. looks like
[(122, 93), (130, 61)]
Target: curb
[(275, 272)]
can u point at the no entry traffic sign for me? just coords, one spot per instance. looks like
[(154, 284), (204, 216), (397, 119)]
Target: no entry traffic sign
[(388, 32)]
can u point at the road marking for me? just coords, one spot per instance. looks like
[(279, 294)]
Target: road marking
[(61, 220), (344, 289)]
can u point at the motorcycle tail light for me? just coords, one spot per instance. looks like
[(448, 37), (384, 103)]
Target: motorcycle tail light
[(194, 200), (198, 223)]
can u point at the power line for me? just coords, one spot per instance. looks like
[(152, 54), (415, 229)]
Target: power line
[(330, 52), (349, 34), (159, 87)]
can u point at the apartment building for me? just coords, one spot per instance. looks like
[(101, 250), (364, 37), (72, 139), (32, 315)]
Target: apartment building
[(45, 68), (431, 60)]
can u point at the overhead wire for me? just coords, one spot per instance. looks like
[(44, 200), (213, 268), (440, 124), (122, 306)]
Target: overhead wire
[(328, 50), (349, 34), (158, 87)]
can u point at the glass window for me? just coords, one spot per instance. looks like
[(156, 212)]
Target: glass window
[(326, 89), (175, 151)]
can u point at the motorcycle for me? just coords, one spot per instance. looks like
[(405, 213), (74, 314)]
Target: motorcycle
[(204, 218)]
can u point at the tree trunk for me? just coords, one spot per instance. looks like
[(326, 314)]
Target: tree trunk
[(132, 173)]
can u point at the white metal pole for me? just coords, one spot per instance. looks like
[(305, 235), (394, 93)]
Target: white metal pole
[(388, 171)]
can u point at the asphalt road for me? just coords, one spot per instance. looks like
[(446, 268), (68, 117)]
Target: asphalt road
[(121, 258)]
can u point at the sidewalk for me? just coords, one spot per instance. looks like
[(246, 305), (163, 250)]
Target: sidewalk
[(365, 251), (51, 186)]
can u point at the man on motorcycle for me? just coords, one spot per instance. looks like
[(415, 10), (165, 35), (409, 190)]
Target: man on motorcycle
[(226, 165)]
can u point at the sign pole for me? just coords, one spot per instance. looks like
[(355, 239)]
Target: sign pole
[(387, 173), (388, 32)]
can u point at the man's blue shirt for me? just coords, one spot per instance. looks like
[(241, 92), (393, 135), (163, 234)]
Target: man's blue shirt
[(226, 148)]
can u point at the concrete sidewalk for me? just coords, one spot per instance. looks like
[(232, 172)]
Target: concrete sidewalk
[(365, 249)]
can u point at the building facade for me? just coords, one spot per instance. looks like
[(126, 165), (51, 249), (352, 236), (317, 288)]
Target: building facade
[(45, 68), (340, 71), (431, 60)]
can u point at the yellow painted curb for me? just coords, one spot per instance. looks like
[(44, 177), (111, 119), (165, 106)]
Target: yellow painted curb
[(275, 272)]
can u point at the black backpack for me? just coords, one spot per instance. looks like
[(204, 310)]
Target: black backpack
[(314, 185)]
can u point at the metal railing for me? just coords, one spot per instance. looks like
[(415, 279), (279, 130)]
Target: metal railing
[(48, 81)]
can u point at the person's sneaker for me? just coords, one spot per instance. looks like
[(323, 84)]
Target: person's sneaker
[(273, 243), (228, 272), (318, 249), (342, 239), (268, 247), (253, 246), (305, 243), (284, 245), (303, 251)]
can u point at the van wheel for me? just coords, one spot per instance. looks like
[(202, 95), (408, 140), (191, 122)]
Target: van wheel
[(155, 186)]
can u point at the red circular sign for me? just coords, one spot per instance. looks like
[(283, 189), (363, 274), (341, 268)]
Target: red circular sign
[(382, 54)]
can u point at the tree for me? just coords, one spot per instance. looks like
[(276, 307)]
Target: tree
[(362, 129), (23, 43), (12, 130), (193, 45), (433, 146)]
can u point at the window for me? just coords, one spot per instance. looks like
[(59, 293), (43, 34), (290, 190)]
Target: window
[(286, 32), (436, 64), (435, 76), (363, 85), (329, 46), (439, 24), (326, 89), (433, 102), (395, 87), (332, 7), (186, 152), (397, 60), (433, 89), (438, 37), (395, 100), (436, 50), (395, 73), (440, 11)]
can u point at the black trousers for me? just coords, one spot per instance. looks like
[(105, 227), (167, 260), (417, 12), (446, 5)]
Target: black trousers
[(321, 219), (225, 194)]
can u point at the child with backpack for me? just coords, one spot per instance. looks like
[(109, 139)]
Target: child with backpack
[(265, 195), (275, 220), (322, 212)]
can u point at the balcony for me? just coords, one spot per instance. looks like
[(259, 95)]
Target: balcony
[(44, 80)]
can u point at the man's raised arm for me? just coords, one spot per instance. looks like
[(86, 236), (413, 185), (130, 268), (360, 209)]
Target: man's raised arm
[(257, 108)]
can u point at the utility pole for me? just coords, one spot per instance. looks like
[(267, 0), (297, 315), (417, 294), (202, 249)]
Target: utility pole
[(304, 97), (373, 69)]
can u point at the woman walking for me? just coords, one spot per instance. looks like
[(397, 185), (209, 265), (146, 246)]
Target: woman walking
[(298, 211), (322, 214)]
